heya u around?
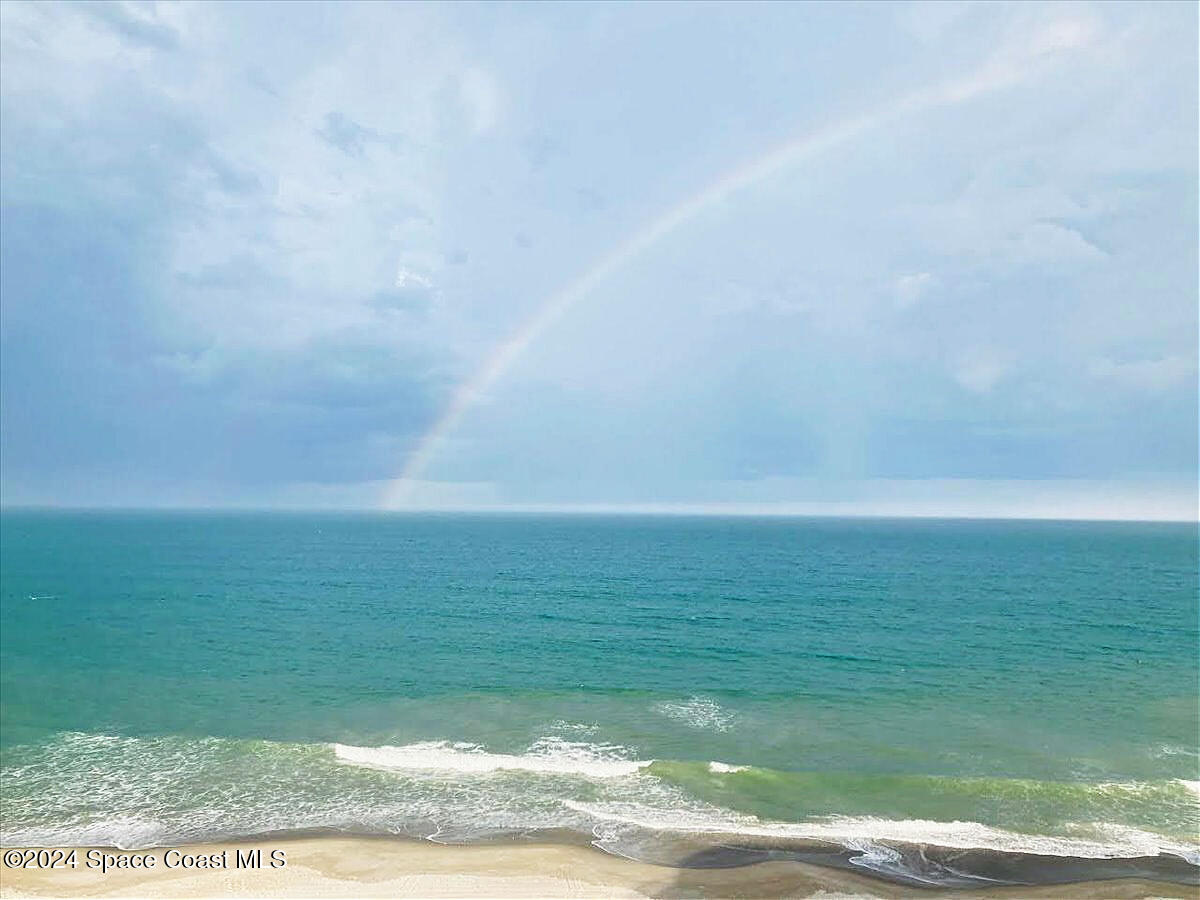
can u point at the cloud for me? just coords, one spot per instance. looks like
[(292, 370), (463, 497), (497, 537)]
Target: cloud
[(1146, 374), (203, 250), (1052, 242), (1081, 498), (930, 20), (979, 375), (480, 97), (253, 260), (352, 138), (909, 289), (138, 24)]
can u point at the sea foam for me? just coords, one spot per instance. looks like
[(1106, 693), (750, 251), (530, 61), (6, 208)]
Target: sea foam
[(1105, 841), (549, 756), (701, 713), (720, 768)]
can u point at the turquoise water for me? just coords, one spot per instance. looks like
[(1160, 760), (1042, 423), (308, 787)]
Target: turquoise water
[(866, 685)]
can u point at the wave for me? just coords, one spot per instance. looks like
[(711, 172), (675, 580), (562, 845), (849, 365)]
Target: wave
[(1109, 841), (720, 768), (1168, 807), (101, 790), (548, 756)]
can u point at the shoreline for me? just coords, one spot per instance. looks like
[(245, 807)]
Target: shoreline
[(337, 866)]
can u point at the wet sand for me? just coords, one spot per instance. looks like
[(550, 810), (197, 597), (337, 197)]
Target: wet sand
[(367, 867)]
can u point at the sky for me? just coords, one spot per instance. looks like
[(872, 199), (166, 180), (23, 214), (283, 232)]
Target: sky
[(854, 259)]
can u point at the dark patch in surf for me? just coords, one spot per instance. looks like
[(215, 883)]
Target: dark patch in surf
[(918, 865)]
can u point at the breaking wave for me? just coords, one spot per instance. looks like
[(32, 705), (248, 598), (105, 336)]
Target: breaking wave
[(102, 790), (547, 756)]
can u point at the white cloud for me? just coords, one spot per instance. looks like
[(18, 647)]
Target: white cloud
[(406, 278), (747, 295), (1051, 242), (1064, 32), (1004, 220), (909, 289), (481, 96), (1146, 374), (979, 374), (930, 20)]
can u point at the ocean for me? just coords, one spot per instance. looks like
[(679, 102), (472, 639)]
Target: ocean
[(935, 702)]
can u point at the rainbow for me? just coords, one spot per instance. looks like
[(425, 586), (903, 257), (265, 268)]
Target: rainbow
[(1005, 69)]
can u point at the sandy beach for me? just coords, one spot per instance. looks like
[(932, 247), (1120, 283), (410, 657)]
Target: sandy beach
[(360, 867)]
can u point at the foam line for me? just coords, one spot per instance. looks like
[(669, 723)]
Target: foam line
[(1111, 842), (548, 756)]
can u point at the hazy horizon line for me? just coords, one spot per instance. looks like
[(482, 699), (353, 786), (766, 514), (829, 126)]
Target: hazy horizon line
[(597, 510)]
